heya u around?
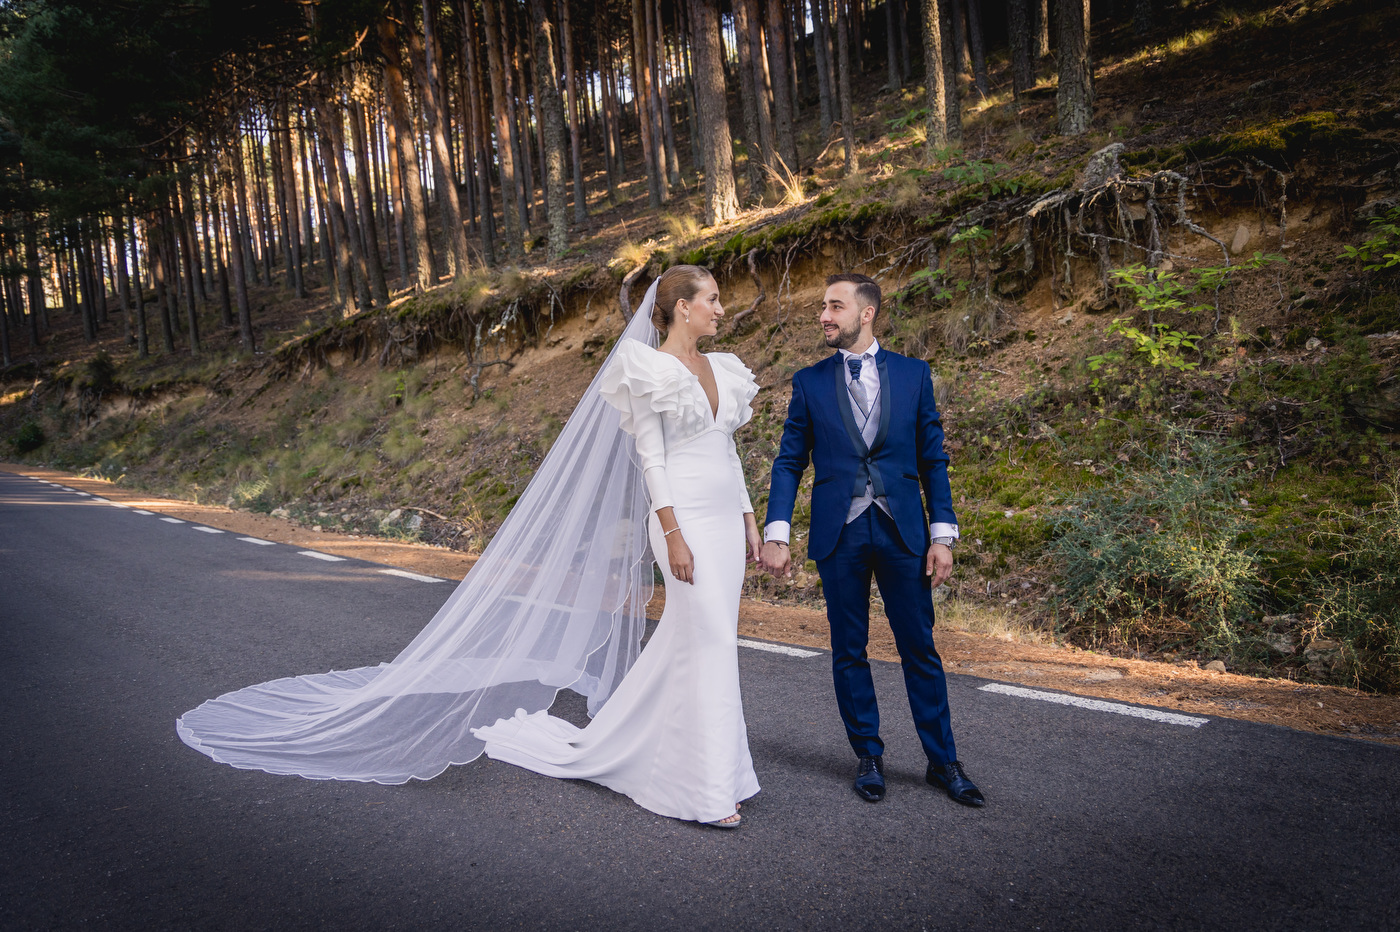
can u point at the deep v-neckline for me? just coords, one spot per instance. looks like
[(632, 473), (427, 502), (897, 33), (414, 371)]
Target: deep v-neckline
[(711, 406)]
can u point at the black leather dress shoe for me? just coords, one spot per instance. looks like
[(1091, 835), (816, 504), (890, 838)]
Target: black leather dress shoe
[(870, 779), (951, 777)]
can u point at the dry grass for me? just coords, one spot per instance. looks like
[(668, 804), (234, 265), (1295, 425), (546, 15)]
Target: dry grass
[(989, 621)]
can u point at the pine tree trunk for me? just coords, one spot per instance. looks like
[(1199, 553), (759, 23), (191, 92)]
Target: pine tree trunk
[(753, 145), (574, 105), (957, 29), (843, 57), (934, 76), (641, 94), (552, 120), (204, 242), (220, 267), (342, 201), (763, 88), (480, 136), (821, 40), (123, 281), (415, 210), (661, 69), (235, 252), (608, 110), (374, 263), (1041, 29), (425, 54), (1074, 100), (979, 52), (779, 74), (308, 196), (245, 233), (517, 103), (35, 276), (288, 205), (143, 342), (261, 216), (721, 204), (328, 185), (893, 81), (396, 189), (952, 99), (1019, 30), (510, 207)]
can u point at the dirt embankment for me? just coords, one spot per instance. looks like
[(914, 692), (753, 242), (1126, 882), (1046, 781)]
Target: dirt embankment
[(1182, 687)]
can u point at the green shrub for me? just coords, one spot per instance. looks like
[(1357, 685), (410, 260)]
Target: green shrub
[(1154, 557), (1353, 631), (28, 438)]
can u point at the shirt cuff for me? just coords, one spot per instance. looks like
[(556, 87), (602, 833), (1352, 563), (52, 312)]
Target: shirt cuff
[(659, 488), (943, 529), (780, 531)]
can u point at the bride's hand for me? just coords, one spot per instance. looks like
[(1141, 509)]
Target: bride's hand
[(681, 559), (754, 538)]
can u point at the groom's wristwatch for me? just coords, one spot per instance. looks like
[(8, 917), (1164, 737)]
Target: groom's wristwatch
[(949, 542)]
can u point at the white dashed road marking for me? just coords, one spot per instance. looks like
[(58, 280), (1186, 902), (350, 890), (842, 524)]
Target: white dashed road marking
[(258, 540), (416, 576), (1097, 705), (321, 556), (778, 648), (209, 530), (173, 520), (142, 511)]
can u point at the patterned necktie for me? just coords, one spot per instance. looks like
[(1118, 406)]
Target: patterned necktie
[(857, 387)]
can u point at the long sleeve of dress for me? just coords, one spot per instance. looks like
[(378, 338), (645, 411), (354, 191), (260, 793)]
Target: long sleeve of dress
[(651, 450), (745, 505)]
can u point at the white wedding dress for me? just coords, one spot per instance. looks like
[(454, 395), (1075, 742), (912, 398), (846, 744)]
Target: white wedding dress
[(672, 735)]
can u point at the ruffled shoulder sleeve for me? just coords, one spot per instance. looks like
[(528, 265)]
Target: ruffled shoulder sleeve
[(740, 384), (639, 379)]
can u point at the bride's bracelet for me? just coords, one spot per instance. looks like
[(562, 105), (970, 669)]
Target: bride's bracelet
[(672, 531)]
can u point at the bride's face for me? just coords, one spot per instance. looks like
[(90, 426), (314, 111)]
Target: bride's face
[(704, 310)]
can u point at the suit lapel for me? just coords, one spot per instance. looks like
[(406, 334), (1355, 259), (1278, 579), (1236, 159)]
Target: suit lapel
[(843, 405), (886, 399)]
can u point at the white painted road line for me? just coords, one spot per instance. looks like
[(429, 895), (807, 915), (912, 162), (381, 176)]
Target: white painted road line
[(321, 556), (258, 540), (142, 511), (99, 498), (778, 648), (118, 505), (173, 520), (407, 575), (209, 530), (1098, 705)]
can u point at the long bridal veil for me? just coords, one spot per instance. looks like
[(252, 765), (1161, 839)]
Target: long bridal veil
[(557, 600)]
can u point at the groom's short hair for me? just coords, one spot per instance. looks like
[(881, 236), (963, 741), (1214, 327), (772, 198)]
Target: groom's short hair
[(867, 291)]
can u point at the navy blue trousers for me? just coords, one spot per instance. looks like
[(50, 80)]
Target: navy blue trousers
[(870, 546)]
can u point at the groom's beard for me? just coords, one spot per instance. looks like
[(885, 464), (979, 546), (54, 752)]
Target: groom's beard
[(844, 339)]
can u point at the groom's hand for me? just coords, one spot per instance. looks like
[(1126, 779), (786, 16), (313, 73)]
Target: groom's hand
[(939, 563), (776, 558)]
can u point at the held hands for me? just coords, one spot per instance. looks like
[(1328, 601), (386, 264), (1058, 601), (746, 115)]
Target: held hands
[(939, 563), (776, 558)]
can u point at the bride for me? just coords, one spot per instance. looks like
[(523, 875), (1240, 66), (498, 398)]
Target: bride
[(646, 465)]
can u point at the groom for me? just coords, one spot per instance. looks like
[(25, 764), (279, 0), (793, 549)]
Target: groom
[(866, 419)]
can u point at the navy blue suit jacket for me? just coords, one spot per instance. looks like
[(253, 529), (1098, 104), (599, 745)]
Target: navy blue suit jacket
[(907, 453)]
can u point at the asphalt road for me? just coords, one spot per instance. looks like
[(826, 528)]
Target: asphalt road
[(113, 623)]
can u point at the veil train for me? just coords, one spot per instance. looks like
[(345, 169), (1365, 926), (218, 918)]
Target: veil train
[(558, 599)]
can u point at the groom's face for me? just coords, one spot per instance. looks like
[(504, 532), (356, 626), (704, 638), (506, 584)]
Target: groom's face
[(842, 316)]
